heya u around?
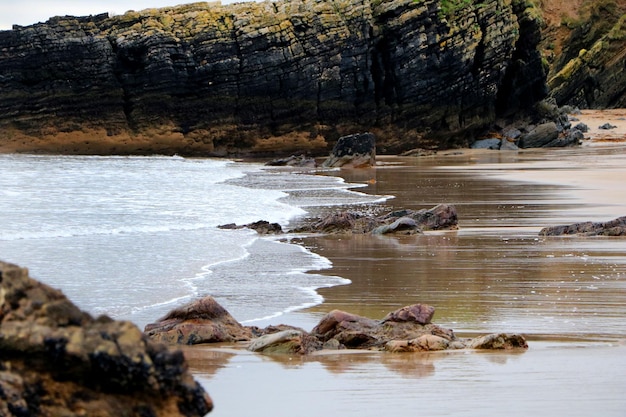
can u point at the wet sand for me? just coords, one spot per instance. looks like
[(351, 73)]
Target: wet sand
[(567, 295)]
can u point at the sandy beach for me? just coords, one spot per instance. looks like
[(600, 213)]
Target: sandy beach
[(596, 118), (566, 295)]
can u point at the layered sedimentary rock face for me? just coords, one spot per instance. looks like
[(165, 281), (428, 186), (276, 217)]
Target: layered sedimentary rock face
[(268, 78)]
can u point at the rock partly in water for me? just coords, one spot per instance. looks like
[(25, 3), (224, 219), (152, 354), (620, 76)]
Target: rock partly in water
[(607, 126), (59, 361), (407, 329), (353, 151), (418, 313), (300, 161), (426, 342), (404, 225), (201, 321), (440, 217), (498, 341), (616, 227), (262, 227), (286, 342)]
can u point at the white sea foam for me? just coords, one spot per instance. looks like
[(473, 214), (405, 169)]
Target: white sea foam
[(132, 237)]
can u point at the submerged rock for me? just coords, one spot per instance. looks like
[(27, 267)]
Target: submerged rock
[(57, 360), (616, 227)]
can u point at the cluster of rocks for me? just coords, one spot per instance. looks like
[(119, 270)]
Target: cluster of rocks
[(616, 227), (351, 151), (405, 222), (408, 329), (550, 127), (56, 360)]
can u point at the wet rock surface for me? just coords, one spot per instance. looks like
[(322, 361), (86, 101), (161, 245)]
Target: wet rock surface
[(201, 321), (353, 151), (616, 227), (56, 360), (408, 329), (440, 217)]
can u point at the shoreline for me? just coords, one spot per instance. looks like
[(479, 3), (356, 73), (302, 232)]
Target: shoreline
[(79, 143)]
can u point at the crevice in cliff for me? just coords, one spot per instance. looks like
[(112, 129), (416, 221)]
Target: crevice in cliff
[(479, 55), (524, 82), (237, 42), (118, 72), (383, 75)]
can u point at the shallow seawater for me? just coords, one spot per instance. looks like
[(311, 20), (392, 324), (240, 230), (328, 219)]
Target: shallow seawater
[(572, 379), (567, 295)]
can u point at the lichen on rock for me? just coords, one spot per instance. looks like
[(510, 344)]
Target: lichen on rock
[(267, 78), (57, 360)]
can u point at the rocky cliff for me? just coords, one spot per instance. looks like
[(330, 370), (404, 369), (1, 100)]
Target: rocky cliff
[(584, 42), (266, 78)]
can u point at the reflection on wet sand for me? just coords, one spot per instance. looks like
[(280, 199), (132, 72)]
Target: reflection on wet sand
[(208, 360)]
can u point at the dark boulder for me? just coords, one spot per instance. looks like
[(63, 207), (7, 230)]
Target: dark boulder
[(262, 227), (540, 136), (353, 151), (582, 127), (58, 360)]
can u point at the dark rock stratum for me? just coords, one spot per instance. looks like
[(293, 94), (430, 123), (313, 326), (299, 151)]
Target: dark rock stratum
[(268, 78)]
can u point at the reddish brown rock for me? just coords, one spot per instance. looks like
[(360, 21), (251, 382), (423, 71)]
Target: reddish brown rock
[(57, 360), (356, 332), (201, 321), (350, 330), (419, 313), (408, 329)]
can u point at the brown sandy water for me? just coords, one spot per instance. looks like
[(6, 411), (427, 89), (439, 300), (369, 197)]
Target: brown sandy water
[(567, 295)]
